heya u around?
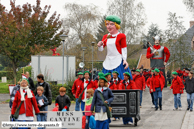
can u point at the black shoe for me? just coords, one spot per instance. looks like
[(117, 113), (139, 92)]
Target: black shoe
[(187, 109), (156, 109), (161, 108), (191, 110)]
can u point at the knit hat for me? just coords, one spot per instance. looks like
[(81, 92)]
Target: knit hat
[(103, 78), (114, 18), (175, 73), (25, 79), (100, 74), (128, 74), (80, 73), (87, 72), (156, 70), (107, 74), (138, 70), (115, 72)]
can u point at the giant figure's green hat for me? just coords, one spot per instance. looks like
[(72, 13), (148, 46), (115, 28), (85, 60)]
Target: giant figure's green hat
[(114, 18)]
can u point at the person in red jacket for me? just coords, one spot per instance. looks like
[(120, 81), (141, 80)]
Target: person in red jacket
[(157, 85), (127, 83), (111, 84), (100, 74), (133, 73), (158, 55), (177, 86), (86, 84), (26, 96), (139, 80), (116, 79), (148, 85), (75, 86)]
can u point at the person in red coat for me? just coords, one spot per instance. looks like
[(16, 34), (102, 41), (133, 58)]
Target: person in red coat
[(111, 84), (116, 79), (139, 80), (127, 83), (133, 73), (177, 86), (86, 84), (26, 96), (75, 86), (148, 85), (157, 85), (130, 85), (158, 55), (100, 74)]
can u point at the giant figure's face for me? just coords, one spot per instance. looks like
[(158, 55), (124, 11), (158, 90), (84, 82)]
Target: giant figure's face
[(157, 42), (111, 27)]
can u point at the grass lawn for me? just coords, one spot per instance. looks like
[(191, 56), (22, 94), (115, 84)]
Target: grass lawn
[(4, 88)]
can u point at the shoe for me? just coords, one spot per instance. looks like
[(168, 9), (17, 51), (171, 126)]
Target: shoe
[(180, 108), (161, 108), (156, 109), (187, 109), (130, 123), (140, 106), (191, 110), (175, 109), (153, 106), (114, 119)]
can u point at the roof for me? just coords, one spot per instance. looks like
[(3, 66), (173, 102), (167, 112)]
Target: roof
[(144, 61)]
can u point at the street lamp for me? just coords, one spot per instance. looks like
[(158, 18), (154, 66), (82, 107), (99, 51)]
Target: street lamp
[(93, 43), (83, 49), (63, 37)]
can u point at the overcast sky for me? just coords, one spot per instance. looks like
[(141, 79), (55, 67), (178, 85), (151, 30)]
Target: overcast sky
[(156, 10)]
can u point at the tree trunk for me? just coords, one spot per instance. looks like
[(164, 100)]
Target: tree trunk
[(14, 71)]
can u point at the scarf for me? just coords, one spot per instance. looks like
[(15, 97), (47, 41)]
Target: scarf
[(29, 93)]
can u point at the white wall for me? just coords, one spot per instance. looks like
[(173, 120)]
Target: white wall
[(51, 66)]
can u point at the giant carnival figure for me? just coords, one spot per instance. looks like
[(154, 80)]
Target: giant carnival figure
[(116, 58), (158, 55)]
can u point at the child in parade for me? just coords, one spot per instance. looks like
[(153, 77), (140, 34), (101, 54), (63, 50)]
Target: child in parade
[(88, 104), (111, 84), (116, 79), (25, 96), (139, 80), (75, 86), (177, 86), (62, 101), (42, 102), (86, 84), (102, 98), (148, 85), (127, 84), (189, 87), (156, 86)]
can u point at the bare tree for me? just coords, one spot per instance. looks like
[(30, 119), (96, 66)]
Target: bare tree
[(190, 6), (133, 18)]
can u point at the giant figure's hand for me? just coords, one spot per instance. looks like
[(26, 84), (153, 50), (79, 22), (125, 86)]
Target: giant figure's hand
[(125, 63), (100, 43)]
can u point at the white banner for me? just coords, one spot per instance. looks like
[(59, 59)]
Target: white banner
[(53, 125), (69, 119)]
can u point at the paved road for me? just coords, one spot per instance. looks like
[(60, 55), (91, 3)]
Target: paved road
[(150, 119)]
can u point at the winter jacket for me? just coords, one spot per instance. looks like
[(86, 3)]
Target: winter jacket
[(139, 82), (63, 101), (97, 101), (189, 85), (14, 91), (130, 86), (117, 83), (31, 83), (81, 88), (112, 85), (95, 83), (75, 86), (42, 108), (148, 84), (47, 91), (177, 85), (154, 80), (27, 108)]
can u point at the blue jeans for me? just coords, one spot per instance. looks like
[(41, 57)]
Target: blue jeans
[(190, 98), (83, 106), (87, 122), (25, 121), (141, 92), (41, 117), (77, 105), (152, 96), (126, 120), (157, 95), (177, 100)]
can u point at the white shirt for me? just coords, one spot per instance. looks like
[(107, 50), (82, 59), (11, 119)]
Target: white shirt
[(85, 84)]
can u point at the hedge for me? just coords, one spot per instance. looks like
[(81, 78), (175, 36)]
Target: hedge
[(8, 74)]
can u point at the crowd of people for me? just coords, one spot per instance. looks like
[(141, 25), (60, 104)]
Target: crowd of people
[(94, 96)]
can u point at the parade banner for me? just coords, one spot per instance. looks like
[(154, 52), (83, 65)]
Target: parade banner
[(69, 119)]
